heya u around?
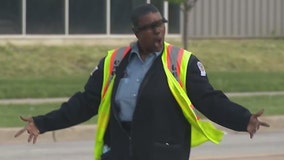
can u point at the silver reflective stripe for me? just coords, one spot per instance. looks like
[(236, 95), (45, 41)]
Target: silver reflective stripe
[(174, 61), (117, 59)]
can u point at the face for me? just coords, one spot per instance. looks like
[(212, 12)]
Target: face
[(150, 32)]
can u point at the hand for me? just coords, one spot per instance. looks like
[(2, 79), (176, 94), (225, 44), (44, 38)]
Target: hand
[(31, 129), (254, 124)]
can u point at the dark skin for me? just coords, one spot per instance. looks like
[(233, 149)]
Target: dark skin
[(150, 39)]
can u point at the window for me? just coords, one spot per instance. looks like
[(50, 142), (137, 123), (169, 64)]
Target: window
[(45, 16), (87, 16), (174, 19), (120, 15), (10, 17), (159, 4)]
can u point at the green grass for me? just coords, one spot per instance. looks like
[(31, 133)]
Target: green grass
[(48, 61), (9, 115), (272, 105), (247, 81), (40, 87), (217, 55), (55, 71), (250, 55), (65, 86)]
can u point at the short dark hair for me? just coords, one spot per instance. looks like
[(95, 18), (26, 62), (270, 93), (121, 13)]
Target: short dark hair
[(142, 10)]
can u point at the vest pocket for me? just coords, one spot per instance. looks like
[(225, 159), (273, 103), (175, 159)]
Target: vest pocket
[(167, 151)]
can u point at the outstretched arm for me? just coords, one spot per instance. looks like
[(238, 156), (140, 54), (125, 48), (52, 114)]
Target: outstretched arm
[(215, 105), (79, 108)]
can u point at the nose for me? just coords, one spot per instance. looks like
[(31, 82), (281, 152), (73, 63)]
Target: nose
[(157, 29)]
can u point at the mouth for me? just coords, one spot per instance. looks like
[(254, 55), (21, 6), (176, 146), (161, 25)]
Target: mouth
[(158, 42)]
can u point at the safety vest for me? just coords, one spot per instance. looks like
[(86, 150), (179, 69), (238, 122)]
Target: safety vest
[(175, 61)]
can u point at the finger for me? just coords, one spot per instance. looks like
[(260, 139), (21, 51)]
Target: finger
[(35, 138), (264, 124), (30, 138), (20, 132), (259, 113), (252, 132), (251, 135)]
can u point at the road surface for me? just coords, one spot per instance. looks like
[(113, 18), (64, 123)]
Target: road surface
[(235, 146)]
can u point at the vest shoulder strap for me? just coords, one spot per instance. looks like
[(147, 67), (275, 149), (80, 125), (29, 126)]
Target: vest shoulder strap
[(111, 62), (177, 60), (174, 60)]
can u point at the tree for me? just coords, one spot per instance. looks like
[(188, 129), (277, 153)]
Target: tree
[(186, 6)]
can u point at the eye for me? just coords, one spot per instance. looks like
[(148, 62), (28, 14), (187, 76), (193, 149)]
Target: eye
[(157, 24), (153, 25)]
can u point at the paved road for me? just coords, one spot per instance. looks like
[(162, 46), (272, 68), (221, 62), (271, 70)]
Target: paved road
[(235, 146), (264, 146)]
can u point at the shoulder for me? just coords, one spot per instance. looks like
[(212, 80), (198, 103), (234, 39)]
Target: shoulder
[(195, 65)]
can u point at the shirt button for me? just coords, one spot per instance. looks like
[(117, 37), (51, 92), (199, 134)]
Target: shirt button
[(137, 80)]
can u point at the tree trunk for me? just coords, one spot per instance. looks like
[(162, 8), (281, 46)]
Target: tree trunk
[(185, 26)]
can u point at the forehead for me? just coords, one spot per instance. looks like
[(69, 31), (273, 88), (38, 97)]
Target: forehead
[(149, 18)]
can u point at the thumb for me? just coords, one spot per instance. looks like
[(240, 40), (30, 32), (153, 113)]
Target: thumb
[(26, 119), (259, 113)]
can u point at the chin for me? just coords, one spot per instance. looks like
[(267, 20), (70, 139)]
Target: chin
[(159, 48)]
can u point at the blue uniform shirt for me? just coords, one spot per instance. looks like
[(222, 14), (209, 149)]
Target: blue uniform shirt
[(128, 87)]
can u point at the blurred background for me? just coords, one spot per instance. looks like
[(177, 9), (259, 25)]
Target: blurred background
[(48, 48), (206, 18)]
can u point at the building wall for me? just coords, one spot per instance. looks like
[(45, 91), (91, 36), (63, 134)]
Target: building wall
[(237, 18), (208, 19)]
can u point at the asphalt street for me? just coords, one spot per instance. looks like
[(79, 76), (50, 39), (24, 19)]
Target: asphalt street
[(235, 146)]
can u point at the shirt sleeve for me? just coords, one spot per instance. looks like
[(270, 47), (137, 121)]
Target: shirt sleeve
[(213, 104), (79, 108)]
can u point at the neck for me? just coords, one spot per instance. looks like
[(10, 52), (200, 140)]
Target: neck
[(143, 53)]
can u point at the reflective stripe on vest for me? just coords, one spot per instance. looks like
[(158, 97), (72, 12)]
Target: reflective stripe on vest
[(175, 61)]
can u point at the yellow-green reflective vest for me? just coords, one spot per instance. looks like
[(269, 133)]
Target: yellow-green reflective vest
[(175, 61)]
